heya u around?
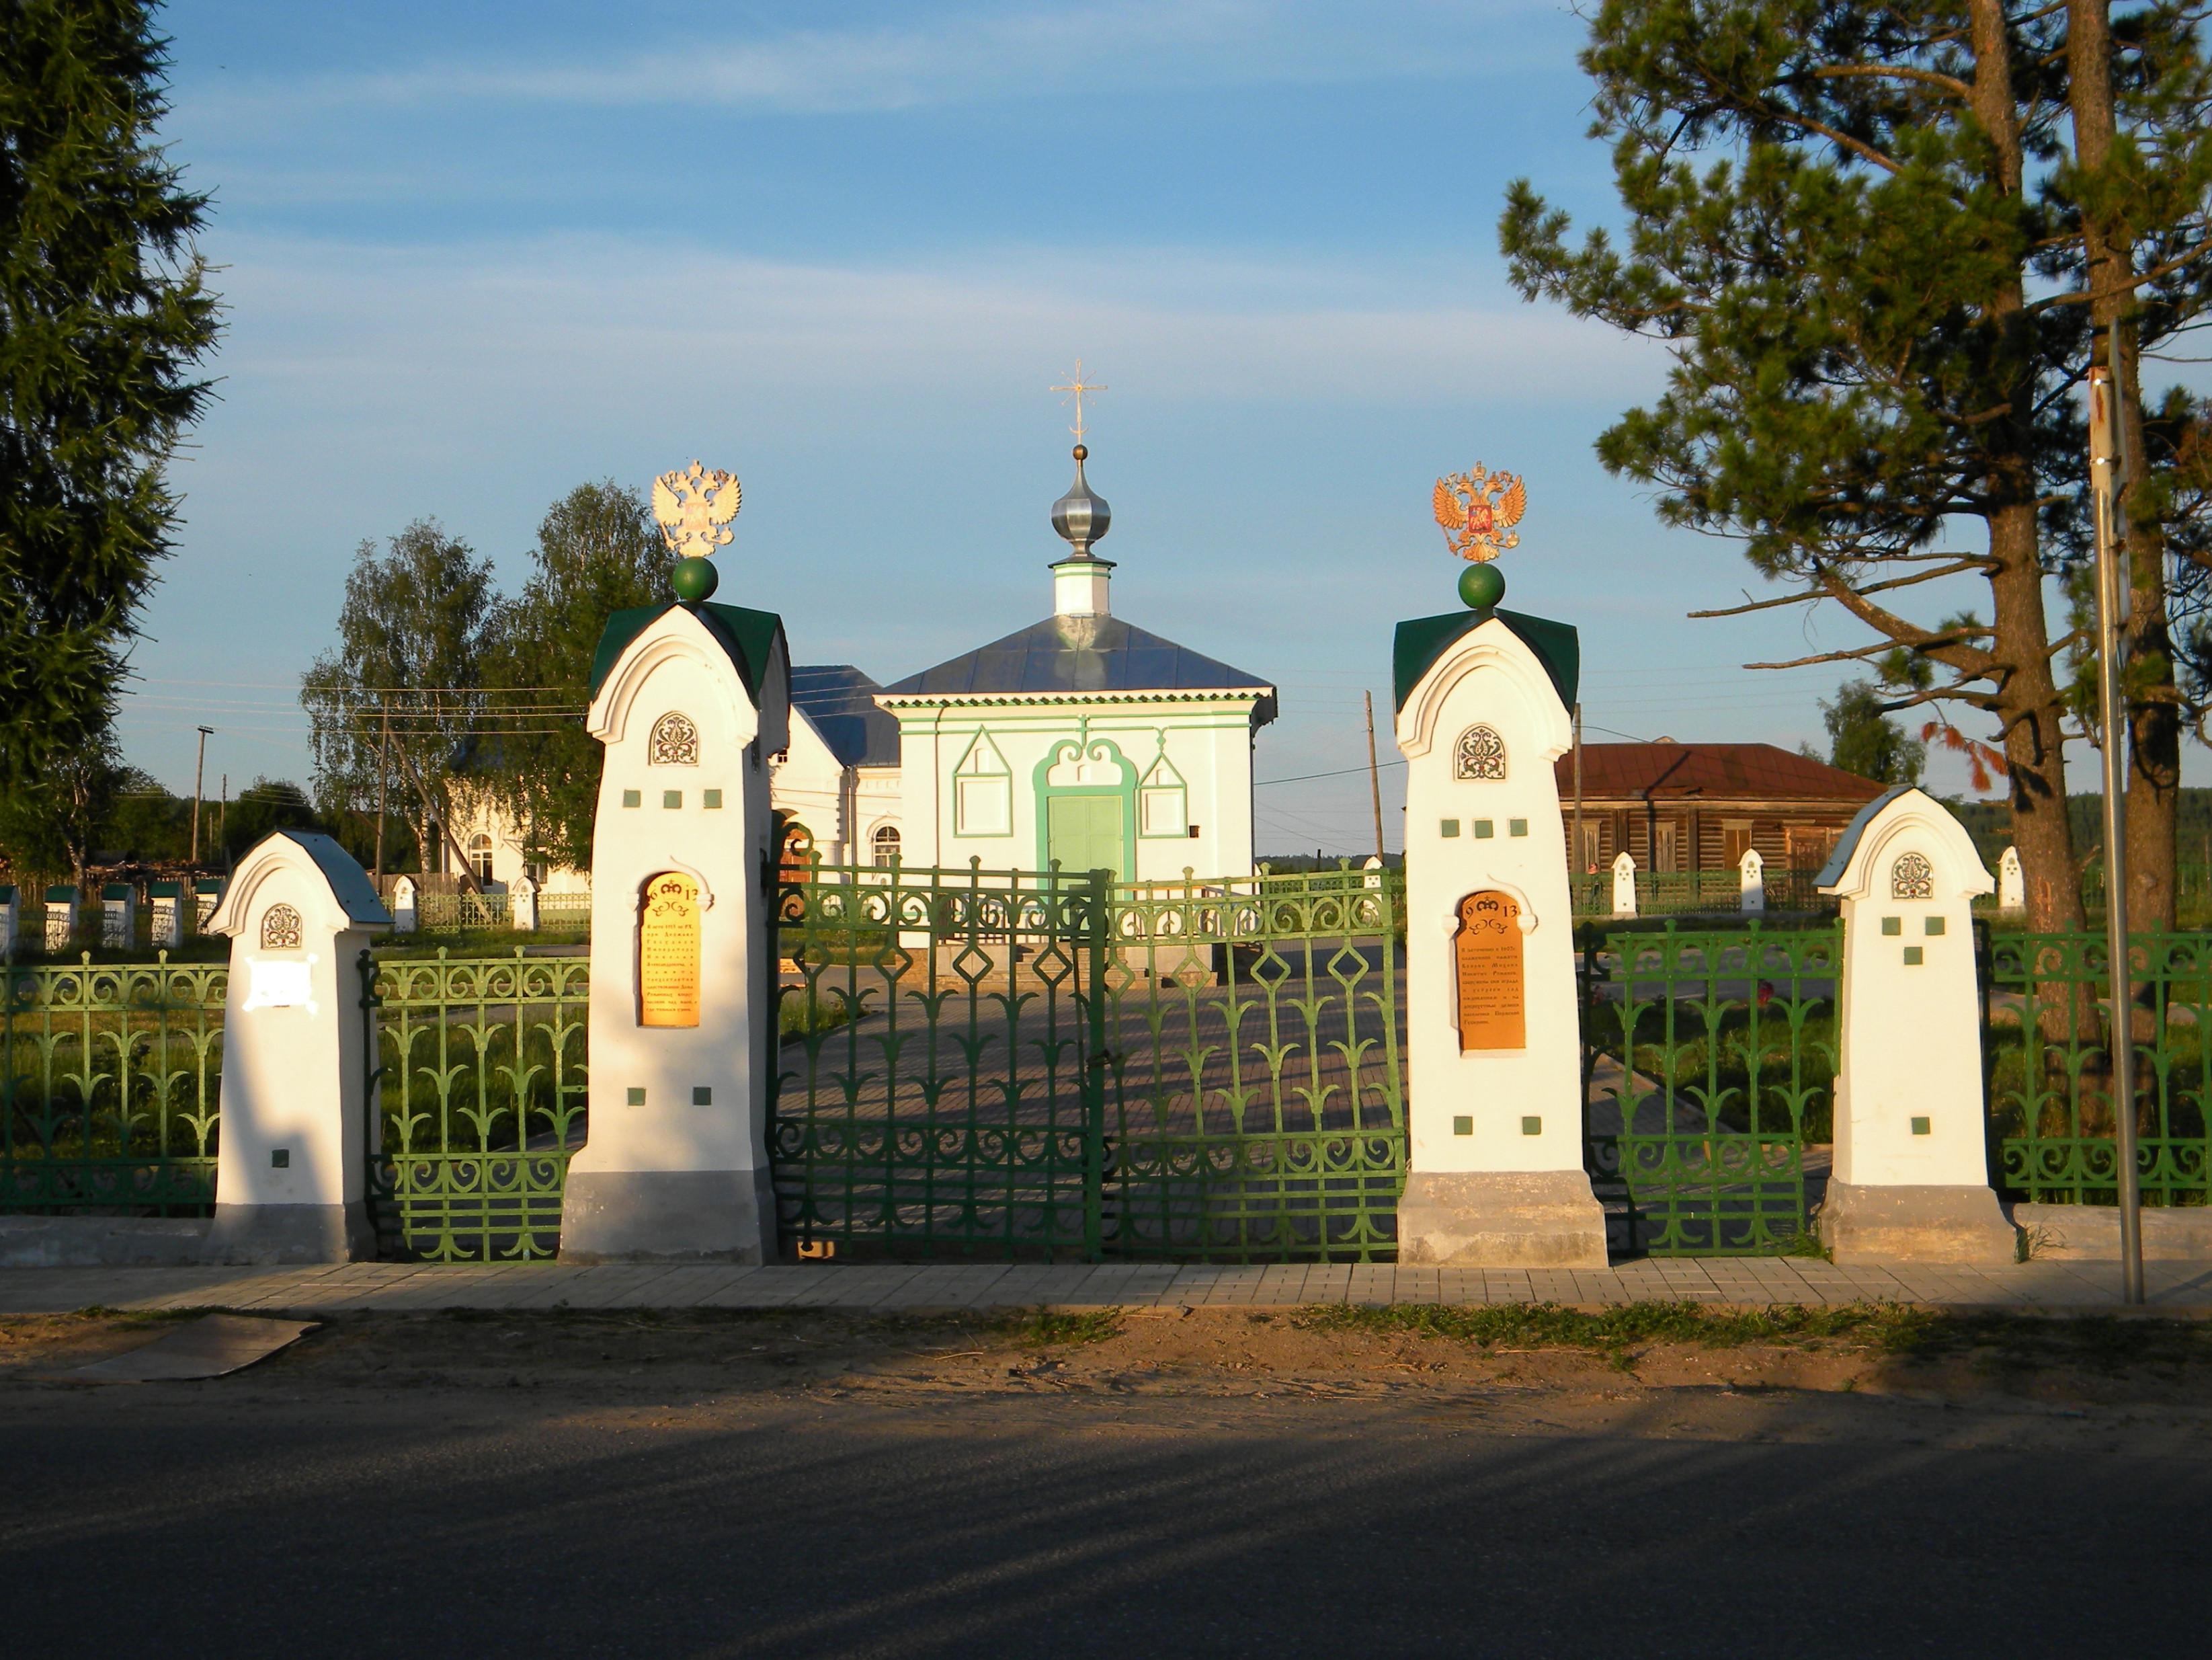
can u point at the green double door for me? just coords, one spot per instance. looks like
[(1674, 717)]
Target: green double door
[(1087, 832)]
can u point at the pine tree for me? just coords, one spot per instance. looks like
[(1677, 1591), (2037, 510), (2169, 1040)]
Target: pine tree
[(1861, 233), (104, 313)]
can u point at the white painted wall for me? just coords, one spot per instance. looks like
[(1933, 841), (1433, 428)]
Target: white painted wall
[(812, 785), (1911, 1042), (1490, 676), (675, 664)]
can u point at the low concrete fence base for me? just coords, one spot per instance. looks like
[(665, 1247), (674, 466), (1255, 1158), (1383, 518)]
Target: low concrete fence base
[(101, 1241), (2171, 1233)]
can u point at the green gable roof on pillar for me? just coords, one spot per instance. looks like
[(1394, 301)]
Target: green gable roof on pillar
[(748, 637), (1422, 641)]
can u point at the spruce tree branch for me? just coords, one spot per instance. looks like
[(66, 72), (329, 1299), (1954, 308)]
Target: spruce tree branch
[(2090, 296)]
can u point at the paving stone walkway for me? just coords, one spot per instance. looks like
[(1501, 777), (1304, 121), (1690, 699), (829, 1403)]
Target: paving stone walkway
[(2174, 1287)]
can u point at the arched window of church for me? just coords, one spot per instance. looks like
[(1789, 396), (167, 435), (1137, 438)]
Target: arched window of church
[(675, 741), (480, 856), (1912, 878), (1481, 754), (883, 845)]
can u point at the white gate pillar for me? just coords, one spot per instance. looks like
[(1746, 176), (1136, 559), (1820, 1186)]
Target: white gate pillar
[(61, 916), (690, 701), (1911, 1178), (165, 911), (1495, 1175), (1624, 884), (403, 913), (10, 915), (2012, 888), (1751, 874), (522, 904), (118, 915), (292, 1156)]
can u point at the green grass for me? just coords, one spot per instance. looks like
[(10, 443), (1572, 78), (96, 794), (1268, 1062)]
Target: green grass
[(1061, 1326)]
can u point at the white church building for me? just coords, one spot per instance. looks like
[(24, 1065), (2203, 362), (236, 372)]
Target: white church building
[(1082, 738)]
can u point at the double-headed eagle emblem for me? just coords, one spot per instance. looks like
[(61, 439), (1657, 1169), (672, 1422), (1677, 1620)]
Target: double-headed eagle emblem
[(694, 507), (1478, 509)]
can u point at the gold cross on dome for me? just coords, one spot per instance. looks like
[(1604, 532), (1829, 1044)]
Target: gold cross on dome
[(1078, 386)]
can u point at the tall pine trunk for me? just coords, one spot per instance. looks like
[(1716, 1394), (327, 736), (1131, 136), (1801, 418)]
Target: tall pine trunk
[(2153, 713)]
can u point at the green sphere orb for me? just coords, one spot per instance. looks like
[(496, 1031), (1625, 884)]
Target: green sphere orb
[(1481, 586), (694, 581)]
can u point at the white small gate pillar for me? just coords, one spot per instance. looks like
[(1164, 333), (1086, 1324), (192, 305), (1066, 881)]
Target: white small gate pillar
[(1624, 884), (404, 912), (2012, 889), (292, 1158), (118, 915), (522, 904), (1495, 1175), (1912, 1179), (1751, 875), (207, 894), (61, 916), (165, 904), (691, 701), (10, 917)]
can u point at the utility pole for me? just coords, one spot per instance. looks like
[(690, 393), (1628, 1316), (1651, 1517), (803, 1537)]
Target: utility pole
[(1374, 775), (1580, 860), (222, 819), (383, 774), (2106, 463), (199, 776)]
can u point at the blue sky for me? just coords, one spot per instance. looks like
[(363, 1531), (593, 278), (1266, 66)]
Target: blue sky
[(476, 253)]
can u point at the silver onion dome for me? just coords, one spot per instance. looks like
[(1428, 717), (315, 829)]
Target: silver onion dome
[(1081, 516)]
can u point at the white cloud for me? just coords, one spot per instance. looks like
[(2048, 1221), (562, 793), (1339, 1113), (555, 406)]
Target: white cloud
[(962, 55)]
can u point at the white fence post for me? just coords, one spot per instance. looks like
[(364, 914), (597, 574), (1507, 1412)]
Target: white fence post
[(2012, 891), (1911, 1177), (10, 915), (403, 905), (292, 1161), (1751, 872), (1624, 884), (207, 894), (522, 904)]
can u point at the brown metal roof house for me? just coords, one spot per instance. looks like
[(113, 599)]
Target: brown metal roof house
[(1697, 807)]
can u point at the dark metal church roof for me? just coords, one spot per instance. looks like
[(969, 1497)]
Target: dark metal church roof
[(840, 701), (1079, 654)]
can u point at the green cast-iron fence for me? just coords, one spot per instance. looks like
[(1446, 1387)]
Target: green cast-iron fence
[(108, 1078), (1700, 892), (479, 1077), (1708, 1065), (2049, 1052), (1255, 1109), (1046, 1065)]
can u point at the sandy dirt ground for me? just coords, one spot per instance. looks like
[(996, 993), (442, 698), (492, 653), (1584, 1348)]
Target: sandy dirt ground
[(2141, 1387)]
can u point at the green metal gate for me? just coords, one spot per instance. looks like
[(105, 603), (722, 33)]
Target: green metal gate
[(1708, 1065), (1007, 1065)]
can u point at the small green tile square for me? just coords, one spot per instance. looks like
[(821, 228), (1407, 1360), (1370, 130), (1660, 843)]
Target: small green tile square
[(1483, 829), (1450, 827), (1912, 955), (1531, 1127), (1463, 1125), (1516, 827), (1934, 925), (1893, 925), (671, 798), (710, 799), (636, 1096), (1920, 1127), (633, 798), (280, 1158), (703, 1095)]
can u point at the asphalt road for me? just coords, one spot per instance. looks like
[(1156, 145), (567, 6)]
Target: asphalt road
[(238, 1519)]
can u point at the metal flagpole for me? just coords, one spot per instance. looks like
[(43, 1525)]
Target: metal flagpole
[(2105, 465)]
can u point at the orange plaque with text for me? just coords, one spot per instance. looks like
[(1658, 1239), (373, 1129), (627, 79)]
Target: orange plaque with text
[(668, 952), (1492, 1012)]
